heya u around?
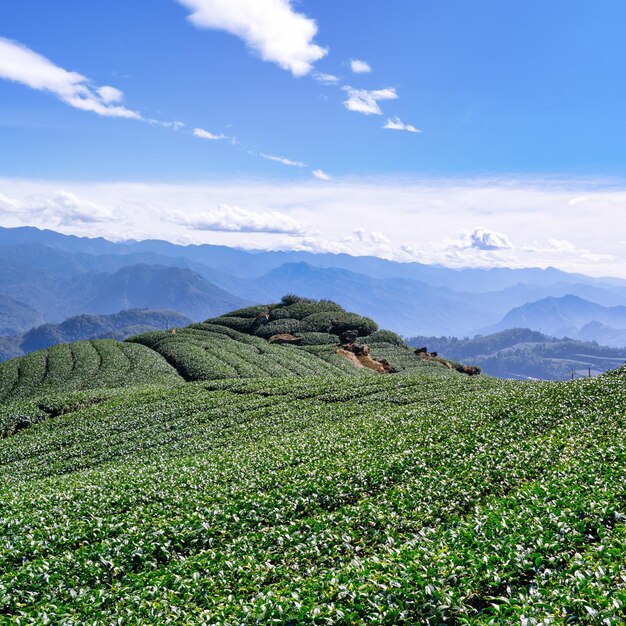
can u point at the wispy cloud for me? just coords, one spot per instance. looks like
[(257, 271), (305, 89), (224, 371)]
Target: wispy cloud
[(283, 160), (271, 28), (20, 64), (577, 200), (234, 219), (395, 123), (171, 125), (205, 134), (366, 102), (322, 175), (360, 67), (326, 79)]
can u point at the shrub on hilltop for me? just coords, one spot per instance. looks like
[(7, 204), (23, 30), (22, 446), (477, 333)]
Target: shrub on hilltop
[(305, 308), (337, 323), (384, 336), (248, 312), (279, 327)]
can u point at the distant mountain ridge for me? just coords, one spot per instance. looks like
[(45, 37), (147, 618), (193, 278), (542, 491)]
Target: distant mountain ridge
[(567, 316), (58, 285), (59, 276), (254, 263), (88, 326), (152, 286), (524, 353)]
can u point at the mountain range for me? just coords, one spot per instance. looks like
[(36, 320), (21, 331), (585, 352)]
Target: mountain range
[(47, 276), (570, 316)]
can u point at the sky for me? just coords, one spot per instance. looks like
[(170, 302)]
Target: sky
[(485, 133)]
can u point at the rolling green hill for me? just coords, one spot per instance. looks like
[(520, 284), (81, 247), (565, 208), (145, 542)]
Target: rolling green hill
[(83, 365), (237, 345), (287, 485)]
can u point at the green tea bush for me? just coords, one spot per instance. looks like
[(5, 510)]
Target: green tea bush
[(337, 323), (304, 308), (281, 313), (316, 339), (248, 312), (85, 365), (150, 339), (383, 336), (240, 324), (276, 327), (291, 298)]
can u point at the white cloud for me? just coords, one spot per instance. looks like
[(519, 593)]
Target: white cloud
[(56, 208), (562, 245), (371, 237), (395, 123), (233, 219), (326, 79), (364, 101), (22, 65), (205, 134), (322, 175), (483, 239), (109, 94), (360, 67), (577, 200), (564, 249), (68, 208), (283, 160), (271, 28), (172, 125), (8, 205)]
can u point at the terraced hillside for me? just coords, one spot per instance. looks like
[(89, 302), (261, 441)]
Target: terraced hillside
[(83, 365), (384, 500), (238, 345), (266, 494)]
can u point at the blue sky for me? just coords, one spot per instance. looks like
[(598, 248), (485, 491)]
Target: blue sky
[(493, 107)]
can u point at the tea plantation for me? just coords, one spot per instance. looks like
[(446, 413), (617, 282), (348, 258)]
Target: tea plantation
[(232, 346), (422, 497)]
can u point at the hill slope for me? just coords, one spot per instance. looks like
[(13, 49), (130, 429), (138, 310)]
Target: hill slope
[(386, 499), (156, 286), (246, 343), (263, 493), (83, 365), (16, 317)]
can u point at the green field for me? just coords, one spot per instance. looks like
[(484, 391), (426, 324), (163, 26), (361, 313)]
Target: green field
[(423, 497)]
